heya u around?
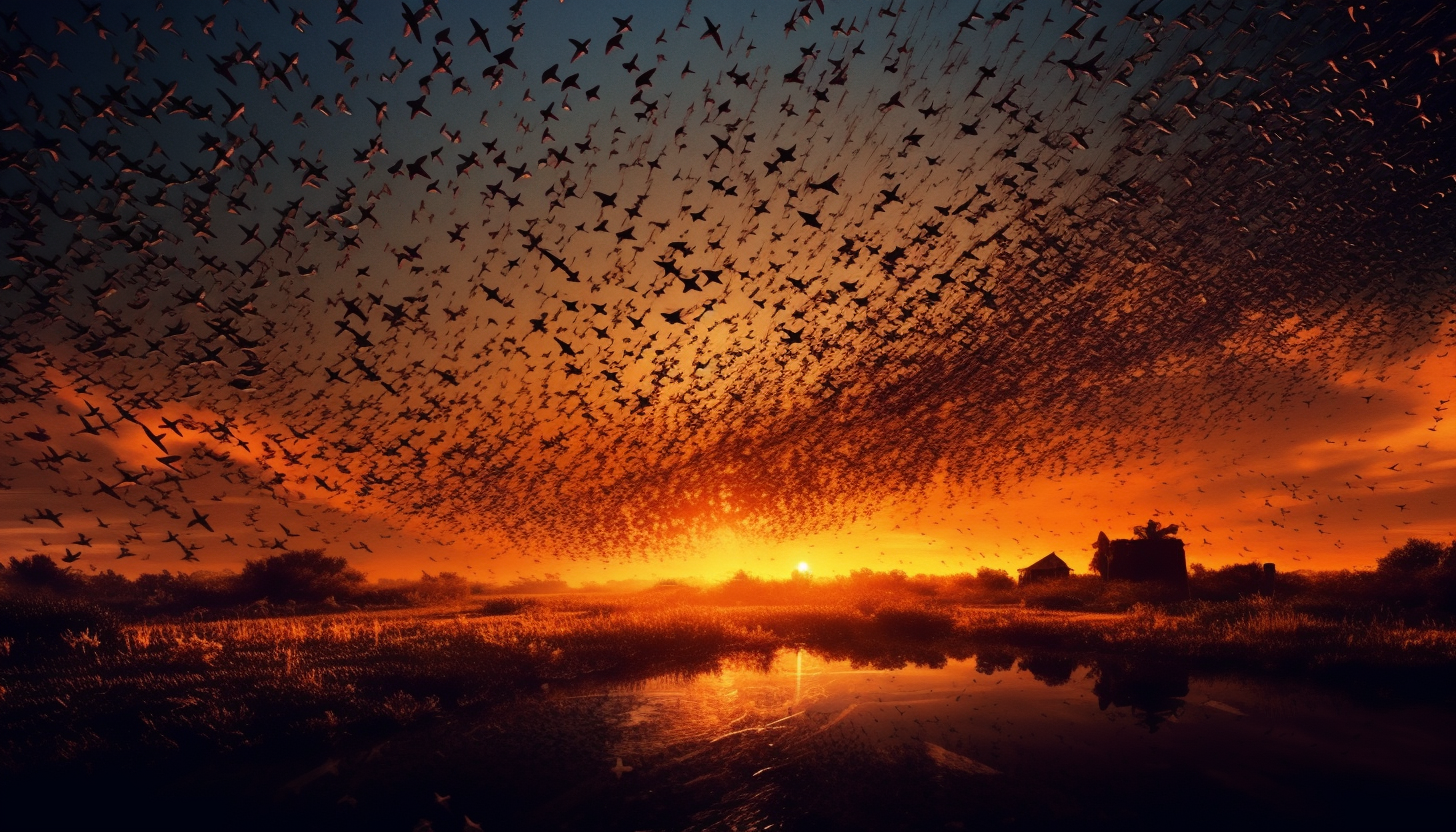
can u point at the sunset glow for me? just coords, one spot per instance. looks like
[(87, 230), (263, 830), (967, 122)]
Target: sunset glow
[(924, 319), (609, 414)]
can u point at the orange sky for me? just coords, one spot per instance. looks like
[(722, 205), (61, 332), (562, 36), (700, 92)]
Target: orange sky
[(1306, 488), (1300, 496), (1320, 485), (880, 307)]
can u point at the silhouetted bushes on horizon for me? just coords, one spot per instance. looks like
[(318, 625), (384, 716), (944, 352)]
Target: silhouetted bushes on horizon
[(308, 576), (1417, 578), (507, 605), (863, 589), (287, 584), (1414, 580)]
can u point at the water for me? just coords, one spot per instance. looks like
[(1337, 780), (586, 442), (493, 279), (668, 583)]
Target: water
[(803, 742), (812, 743)]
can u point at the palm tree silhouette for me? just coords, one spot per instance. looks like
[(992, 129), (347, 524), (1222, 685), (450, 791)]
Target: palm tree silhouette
[(1155, 531)]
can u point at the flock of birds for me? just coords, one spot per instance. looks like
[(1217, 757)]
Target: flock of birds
[(587, 278)]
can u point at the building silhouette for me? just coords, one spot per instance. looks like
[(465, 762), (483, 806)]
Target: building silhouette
[(1153, 554), (1049, 568)]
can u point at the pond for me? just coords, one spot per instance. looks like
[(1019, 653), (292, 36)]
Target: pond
[(803, 742)]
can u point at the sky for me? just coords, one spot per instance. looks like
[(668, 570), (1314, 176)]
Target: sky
[(643, 290)]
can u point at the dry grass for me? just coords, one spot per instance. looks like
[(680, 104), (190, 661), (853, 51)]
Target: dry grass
[(1253, 632)]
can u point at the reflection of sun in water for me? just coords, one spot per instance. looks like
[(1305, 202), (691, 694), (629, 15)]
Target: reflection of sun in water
[(803, 567)]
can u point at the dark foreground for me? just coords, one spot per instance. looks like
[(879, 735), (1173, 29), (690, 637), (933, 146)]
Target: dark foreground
[(689, 718)]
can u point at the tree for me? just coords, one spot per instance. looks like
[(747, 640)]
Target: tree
[(435, 589), (1101, 554), (308, 576), (42, 572), (997, 580), (1414, 555), (1155, 531)]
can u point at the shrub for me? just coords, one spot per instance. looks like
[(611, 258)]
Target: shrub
[(1071, 593), (40, 626), (1227, 583), (995, 580), (308, 576), (506, 606), (987, 586), (437, 589), (914, 622), (539, 586), (1119, 596), (41, 572), (1416, 555), (1055, 601)]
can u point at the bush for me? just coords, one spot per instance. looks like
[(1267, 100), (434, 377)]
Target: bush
[(43, 573), (986, 586), (437, 589), (1058, 601), (1074, 592), (1227, 583), (539, 586), (1416, 555), (306, 576), (38, 626), (914, 622), (995, 580), (506, 606), (1120, 596)]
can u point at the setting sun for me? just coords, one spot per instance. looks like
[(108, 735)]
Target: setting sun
[(803, 568)]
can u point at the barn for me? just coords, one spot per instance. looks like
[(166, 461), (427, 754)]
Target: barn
[(1049, 568)]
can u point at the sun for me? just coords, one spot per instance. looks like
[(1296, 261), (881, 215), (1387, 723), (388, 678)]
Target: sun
[(803, 567)]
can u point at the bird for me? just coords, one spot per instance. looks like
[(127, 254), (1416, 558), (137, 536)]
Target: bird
[(820, 268)]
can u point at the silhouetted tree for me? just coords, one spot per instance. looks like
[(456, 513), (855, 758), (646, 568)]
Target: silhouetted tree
[(308, 576), (995, 579), (552, 582), (1101, 551), (1154, 531), (1415, 555), (435, 589), (41, 572)]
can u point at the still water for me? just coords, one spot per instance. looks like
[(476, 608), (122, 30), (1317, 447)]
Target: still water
[(800, 741), (804, 742)]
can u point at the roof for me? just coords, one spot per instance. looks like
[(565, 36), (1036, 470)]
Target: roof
[(1047, 564)]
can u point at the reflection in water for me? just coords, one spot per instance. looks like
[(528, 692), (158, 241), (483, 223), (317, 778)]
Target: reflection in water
[(798, 675), (801, 741), (1050, 669), (1153, 689), (990, 662), (810, 743)]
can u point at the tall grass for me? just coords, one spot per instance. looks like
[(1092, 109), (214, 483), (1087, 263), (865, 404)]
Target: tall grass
[(1253, 632)]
